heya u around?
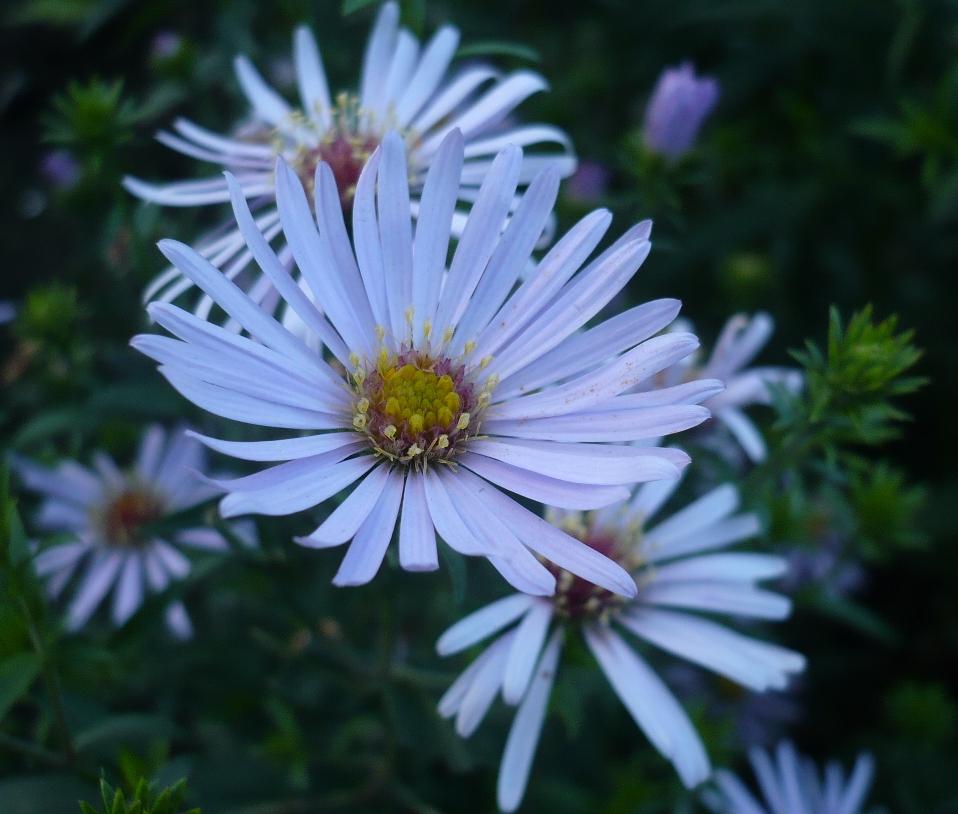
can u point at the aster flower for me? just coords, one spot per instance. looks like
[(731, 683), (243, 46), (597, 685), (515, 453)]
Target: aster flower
[(739, 343), (402, 87), (674, 566), (680, 102), (445, 386), (107, 513), (791, 784)]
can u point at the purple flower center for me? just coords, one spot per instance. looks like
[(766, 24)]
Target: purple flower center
[(346, 154), (577, 598), (127, 514)]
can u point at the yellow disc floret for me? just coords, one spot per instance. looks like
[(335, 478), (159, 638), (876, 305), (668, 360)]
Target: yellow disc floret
[(420, 397)]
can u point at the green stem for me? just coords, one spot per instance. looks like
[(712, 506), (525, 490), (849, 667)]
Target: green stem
[(52, 682), (31, 750)]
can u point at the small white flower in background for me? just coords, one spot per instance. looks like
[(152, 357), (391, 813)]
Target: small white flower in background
[(105, 510), (680, 102), (445, 385), (674, 566), (790, 784), (740, 342), (402, 86)]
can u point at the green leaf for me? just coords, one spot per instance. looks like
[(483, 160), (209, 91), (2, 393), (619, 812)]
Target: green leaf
[(17, 674), (42, 793), (349, 6), (86, 808), (488, 48), (856, 616), (455, 566), (121, 729)]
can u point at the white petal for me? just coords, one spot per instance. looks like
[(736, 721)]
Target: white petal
[(717, 535), (128, 595), (592, 347), (58, 558), (148, 455), (651, 704), (486, 683), (285, 449), (526, 729), (417, 537), (740, 800), (731, 567), (450, 97), (399, 74), (483, 623), (268, 104), (297, 485), (96, 582), (379, 52), (311, 77), (202, 136), (369, 253), (551, 491), (722, 597), (69, 481), (650, 497), (858, 785), (432, 230), (436, 58), (178, 621), (452, 698), (603, 465), (205, 539), (173, 561), (740, 342), (745, 432), (366, 552), (530, 637), (550, 542), (396, 230), (754, 664), (707, 510), (342, 525), (480, 237), (511, 256)]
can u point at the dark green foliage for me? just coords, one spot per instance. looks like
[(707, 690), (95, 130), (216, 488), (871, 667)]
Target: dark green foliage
[(145, 799)]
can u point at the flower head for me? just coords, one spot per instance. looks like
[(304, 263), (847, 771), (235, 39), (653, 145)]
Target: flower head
[(791, 784), (674, 567), (740, 342), (679, 104), (444, 385), (403, 87), (108, 513)]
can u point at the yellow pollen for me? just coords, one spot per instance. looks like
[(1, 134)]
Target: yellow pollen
[(390, 431), (354, 359), (486, 361), (419, 397), (427, 328), (443, 441), (463, 421), (469, 347), (363, 405)]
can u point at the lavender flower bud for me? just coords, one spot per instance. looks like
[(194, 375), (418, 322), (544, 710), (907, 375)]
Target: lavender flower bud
[(60, 169), (678, 106)]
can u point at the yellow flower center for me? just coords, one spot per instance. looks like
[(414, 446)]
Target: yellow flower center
[(415, 407)]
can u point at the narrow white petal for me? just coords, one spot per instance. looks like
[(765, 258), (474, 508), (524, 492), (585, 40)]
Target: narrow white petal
[(707, 510), (432, 66), (228, 146), (438, 203), (745, 432), (480, 237), (205, 539), (378, 55), (366, 552), (417, 537), (511, 255), (739, 798), (717, 535), (297, 485), (311, 77), (551, 491), (58, 558), (342, 525), (486, 683), (722, 597), (286, 449), (740, 342), (592, 347), (148, 455), (451, 96), (754, 664), (530, 637), (526, 729), (399, 74), (128, 595), (483, 623), (173, 560), (545, 539), (396, 230), (178, 621), (651, 704), (858, 785), (369, 253), (268, 104), (603, 465), (768, 780), (95, 584), (732, 567), (650, 497), (69, 481), (452, 698)]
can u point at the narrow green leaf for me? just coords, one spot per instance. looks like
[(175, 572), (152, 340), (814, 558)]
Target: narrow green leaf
[(349, 6), (489, 48), (16, 675)]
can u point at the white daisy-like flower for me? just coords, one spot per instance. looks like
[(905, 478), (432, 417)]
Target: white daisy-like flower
[(402, 86), (790, 784), (445, 386), (108, 512), (674, 566), (740, 342)]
